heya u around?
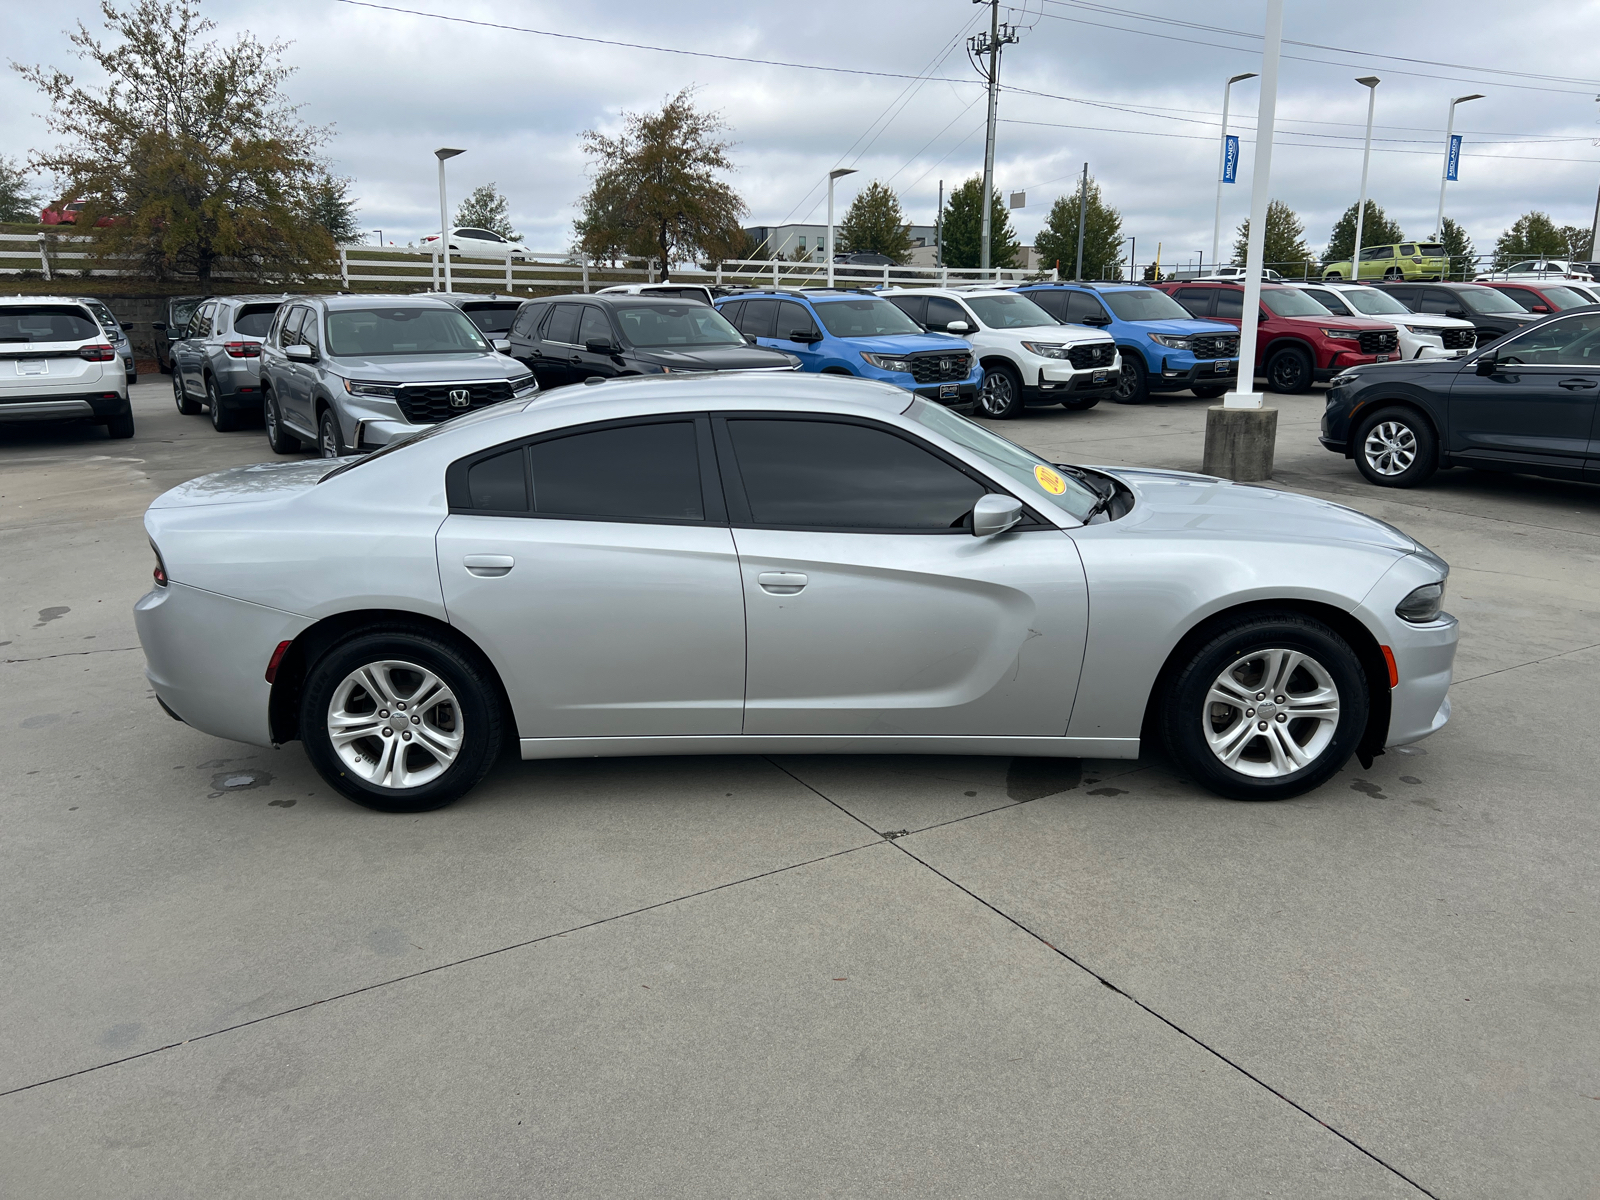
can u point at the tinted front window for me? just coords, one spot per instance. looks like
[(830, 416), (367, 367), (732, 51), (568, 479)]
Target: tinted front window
[(493, 319), (1373, 303), (638, 472), (1488, 300), (1009, 312), (289, 335), (1081, 307), (1570, 342), (1146, 304), (594, 326), (684, 324), (867, 317), (253, 320), (942, 311), (46, 323), (793, 318), (1007, 457), (378, 331), (1291, 302), (831, 475)]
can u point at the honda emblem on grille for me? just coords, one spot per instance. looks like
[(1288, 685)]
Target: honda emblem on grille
[(944, 364), (460, 397)]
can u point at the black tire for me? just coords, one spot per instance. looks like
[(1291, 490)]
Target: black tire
[(1244, 648), (1133, 384), (1393, 273), (1403, 450), (474, 716), (279, 438), (1000, 393), (120, 426), (330, 443), (1289, 371), (186, 406), (1080, 403), (223, 418), (1209, 391)]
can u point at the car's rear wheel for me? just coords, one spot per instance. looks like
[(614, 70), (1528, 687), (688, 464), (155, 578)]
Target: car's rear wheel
[(1394, 273), (120, 426), (223, 418), (186, 406), (1270, 707), (400, 721), (1133, 384), (1289, 371), (1333, 275), (1000, 397), (1396, 448), (279, 438)]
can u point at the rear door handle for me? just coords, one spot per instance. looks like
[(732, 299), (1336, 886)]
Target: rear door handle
[(1573, 385), (489, 566), (781, 583)]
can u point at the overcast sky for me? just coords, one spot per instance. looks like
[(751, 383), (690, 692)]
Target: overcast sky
[(396, 86)]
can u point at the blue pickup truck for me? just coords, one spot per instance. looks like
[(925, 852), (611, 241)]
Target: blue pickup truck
[(1162, 348)]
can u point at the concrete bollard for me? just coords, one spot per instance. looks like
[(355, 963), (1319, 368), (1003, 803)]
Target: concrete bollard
[(1239, 442)]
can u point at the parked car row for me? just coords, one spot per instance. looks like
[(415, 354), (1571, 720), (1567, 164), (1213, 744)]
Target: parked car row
[(58, 363)]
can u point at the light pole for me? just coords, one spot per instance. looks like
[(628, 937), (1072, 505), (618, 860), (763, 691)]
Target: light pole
[(832, 175), (1083, 203), (1370, 82), (444, 212), (379, 232), (1594, 234), (1133, 247), (1222, 166), (1444, 173)]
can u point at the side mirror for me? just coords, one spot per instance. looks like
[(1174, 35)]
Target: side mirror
[(1541, 308), (162, 325), (1487, 365), (1101, 320), (300, 352), (808, 336), (501, 345), (600, 346), (1459, 313), (957, 327), (994, 514)]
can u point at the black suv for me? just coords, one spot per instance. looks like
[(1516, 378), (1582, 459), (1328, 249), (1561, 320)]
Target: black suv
[(1493, 312), (567, 339), (1526, 402)]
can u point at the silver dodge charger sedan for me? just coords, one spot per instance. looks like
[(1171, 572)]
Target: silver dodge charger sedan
[(741, 564)]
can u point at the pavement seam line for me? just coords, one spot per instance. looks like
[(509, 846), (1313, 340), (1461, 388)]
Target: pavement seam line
[(1217, 1054), (1532, 662), (73, 654), (471, 958)]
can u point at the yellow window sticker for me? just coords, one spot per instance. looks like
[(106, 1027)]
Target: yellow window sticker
[(1049, 480)]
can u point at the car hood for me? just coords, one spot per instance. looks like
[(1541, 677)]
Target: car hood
[(909, 343), (1181, 326), (1332, 321), (247, 485), (715, 358), (409, 368), (1169, 501)]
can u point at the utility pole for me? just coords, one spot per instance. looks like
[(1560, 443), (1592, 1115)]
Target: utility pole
[(977, 46), (938, 229), (1594, 234), (1083, 203)]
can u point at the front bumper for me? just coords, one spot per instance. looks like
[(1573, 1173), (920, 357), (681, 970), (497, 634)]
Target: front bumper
[(951, 395), (1059, 379), (1180, 371), (63, 406)]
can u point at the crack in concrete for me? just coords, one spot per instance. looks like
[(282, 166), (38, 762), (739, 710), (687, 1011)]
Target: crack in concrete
[(74, 654), (1532, 662)]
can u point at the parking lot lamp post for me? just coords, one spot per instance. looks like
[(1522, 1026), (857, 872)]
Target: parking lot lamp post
[(1444, 171), (444, 212), (1370, 82), (379, 232), (1222, 165), (1133, 246), (832, 175)]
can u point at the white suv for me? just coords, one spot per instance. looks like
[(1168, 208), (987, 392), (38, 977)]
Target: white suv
[(1028, 357), (56, 364), (1422, 335)]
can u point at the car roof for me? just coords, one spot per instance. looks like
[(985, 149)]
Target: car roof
[(19, 300), (731, 390), (630, 298), (1089, 286), (368, 299), (461, 299), (956, 292)]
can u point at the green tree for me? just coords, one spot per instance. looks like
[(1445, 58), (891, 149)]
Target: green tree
[(1532, 235), (1057, 243), (1283, 245), (1577, 240), (18, 201), (189, 143), (963, 228), (1376, 230), (334, 208), (1458, 250), (876, 224), (487, 209), (655, 188)]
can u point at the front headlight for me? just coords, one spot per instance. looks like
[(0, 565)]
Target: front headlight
[(1341, 380), (1344, 335), (1169, 341), (376, 391), (885, 362), (1424, 330), (1422, 605), (524, 384), (1046, 349)]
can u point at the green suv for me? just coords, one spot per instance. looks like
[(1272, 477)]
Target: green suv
[(1403, 260)]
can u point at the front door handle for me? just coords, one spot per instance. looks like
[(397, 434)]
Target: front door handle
[(781, 583), (1573, 385), (489, 566)]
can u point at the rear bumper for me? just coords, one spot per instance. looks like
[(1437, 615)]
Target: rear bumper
[(63, 406)]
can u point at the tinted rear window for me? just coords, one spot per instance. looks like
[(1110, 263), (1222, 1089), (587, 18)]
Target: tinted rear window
[(46, 323), (253, 320), (638, 472), (493, 318)]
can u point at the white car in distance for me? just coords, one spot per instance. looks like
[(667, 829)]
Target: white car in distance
[(1537, 268), (1422, 335), (477, 243)]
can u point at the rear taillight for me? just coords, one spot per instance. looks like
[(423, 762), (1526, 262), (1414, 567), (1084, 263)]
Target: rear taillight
[(160, 573), (242, 349), (100, 353)]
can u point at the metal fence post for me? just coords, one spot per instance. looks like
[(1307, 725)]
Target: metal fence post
[(44, 258), (344, 268)]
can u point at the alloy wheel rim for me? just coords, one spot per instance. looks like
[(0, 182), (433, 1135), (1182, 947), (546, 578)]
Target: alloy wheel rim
[(394, 724), (1271, 713), (1390, 448), (1127, 381), (213, 402), (996, 394), (1287, 372), (177, 388), (269, 417), (329, 444)]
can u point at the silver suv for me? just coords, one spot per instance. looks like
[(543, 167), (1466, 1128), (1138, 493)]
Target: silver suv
[(352, 373), (115, 334), (216, 358)]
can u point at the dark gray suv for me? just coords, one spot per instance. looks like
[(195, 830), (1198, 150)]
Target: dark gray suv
[(352, 373)]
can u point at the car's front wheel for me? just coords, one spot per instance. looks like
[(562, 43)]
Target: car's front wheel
[(1133, 385), (329, 443), (400, 721), (1289, 371), (186, 406), (1000, 396), (1270, 707), (279, 438), (1209, 391), (1396, 448)]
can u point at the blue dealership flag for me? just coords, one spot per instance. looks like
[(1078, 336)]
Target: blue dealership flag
[(1453, 162), (1230, 158)]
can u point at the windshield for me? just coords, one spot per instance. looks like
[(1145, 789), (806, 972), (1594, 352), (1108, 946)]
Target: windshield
[(1329, 300), (1036, 478), (867, 317), (1291, 302), (493, 318), (46, 323), (1564, 297), (663, 325), (1374, 303), (1146, 304), (1009, 312), (377, 331), (1488, 300)]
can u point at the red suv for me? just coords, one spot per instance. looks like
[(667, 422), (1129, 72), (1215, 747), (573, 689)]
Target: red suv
[(1544, 296), (1299, 341)]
